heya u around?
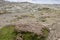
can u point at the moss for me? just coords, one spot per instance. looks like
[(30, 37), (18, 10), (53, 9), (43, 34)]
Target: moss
[(7, 33), (29, 36)]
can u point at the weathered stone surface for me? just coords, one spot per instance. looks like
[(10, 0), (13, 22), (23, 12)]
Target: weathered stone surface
[(34, 27)]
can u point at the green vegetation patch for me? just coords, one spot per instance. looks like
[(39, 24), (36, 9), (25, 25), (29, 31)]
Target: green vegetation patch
[(29, 36), (45, 32), (7, 33)]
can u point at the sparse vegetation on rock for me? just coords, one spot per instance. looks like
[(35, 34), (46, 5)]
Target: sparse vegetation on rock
[(34, 20), (33, 36), (9, 33)]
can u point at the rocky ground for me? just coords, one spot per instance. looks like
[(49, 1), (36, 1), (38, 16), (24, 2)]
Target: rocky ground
[(45, 14)]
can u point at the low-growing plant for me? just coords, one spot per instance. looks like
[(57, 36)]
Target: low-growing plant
[(7, 33)]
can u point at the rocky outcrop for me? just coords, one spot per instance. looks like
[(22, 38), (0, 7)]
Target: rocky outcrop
[(34, 27)]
